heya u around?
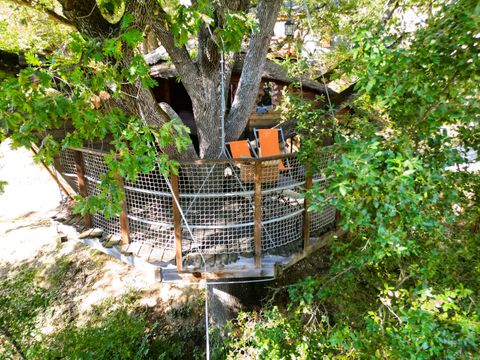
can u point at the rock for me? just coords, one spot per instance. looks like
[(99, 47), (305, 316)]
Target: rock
[(72, 220), (233, 258), (210, 260), (111, 243), (222, 259), (105, 238), (63, 237), (198, 261), (91, 233)]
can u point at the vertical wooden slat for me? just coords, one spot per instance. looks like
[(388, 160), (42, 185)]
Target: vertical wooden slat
[(306, 205), (177, 222), (124, 230), (258, 214), (82, 183)]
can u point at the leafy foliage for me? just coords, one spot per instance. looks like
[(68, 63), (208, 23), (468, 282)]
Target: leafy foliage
[(80, 87), (28, 29), (21, 303), (403, 282)]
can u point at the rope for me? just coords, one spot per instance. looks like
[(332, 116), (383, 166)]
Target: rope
[(223, 105)]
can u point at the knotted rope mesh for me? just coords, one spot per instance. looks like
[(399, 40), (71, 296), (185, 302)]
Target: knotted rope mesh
[(218, 201)]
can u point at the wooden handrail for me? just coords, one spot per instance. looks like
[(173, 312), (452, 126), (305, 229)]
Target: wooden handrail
[(204, 161), (240, 161)]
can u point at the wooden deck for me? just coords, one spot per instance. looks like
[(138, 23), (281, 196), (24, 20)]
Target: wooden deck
[(161, 267)]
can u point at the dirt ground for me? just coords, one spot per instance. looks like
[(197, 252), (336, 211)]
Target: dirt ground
[(29, 237)]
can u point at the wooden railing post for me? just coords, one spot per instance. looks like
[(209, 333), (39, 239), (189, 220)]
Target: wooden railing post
[(82, 183), (306, 205), (177, 222), (258, 214), (124, 230)]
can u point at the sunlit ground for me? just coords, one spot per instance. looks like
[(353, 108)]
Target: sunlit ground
[(30, 198)]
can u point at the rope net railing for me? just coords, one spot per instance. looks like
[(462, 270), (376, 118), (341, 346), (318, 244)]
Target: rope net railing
[(219, 201)]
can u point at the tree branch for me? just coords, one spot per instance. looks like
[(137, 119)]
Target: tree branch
[(50, 13), (87, 18), (267, 11), (186, 68)]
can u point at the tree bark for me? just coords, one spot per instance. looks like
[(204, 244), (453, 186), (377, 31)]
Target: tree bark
[(267, 11), (86, 17)]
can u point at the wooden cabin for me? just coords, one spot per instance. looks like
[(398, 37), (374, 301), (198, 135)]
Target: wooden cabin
[(266, 113)]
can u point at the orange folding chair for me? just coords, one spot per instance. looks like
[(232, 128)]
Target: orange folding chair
[(268, 142), (239, 149)]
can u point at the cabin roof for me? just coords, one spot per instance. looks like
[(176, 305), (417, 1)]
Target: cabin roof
[(272, 71)]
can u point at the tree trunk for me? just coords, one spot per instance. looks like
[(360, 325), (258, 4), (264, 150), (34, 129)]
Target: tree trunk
[(225, 301), (202, 77), (267, 11)]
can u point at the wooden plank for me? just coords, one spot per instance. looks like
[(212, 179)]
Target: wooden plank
[(171, 275), (203, 161), (92, 151), (177, 222), (124, 230), (82, 183), (258, 215), (306, 205)]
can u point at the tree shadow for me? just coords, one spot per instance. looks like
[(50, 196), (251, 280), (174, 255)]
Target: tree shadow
[(51, 289)]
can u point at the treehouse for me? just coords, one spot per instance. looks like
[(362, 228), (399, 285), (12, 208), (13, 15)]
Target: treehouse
[(226, 218), (229, 218)]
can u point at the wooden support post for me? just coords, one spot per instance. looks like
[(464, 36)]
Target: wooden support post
[(306, 214), (177, 222), (82, 183), (258, 214), (53, 176), (124, 230)]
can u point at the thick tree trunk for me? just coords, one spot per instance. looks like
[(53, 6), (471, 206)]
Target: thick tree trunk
[(201, 78), (227, 300), (267, 11), (87, 18)]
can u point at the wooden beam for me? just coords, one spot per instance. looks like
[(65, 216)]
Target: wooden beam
[(177, 222), (124, 229), (317, 244), (258, 215), (306, 205), (53, 176), (240, 160), (82, 183)]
